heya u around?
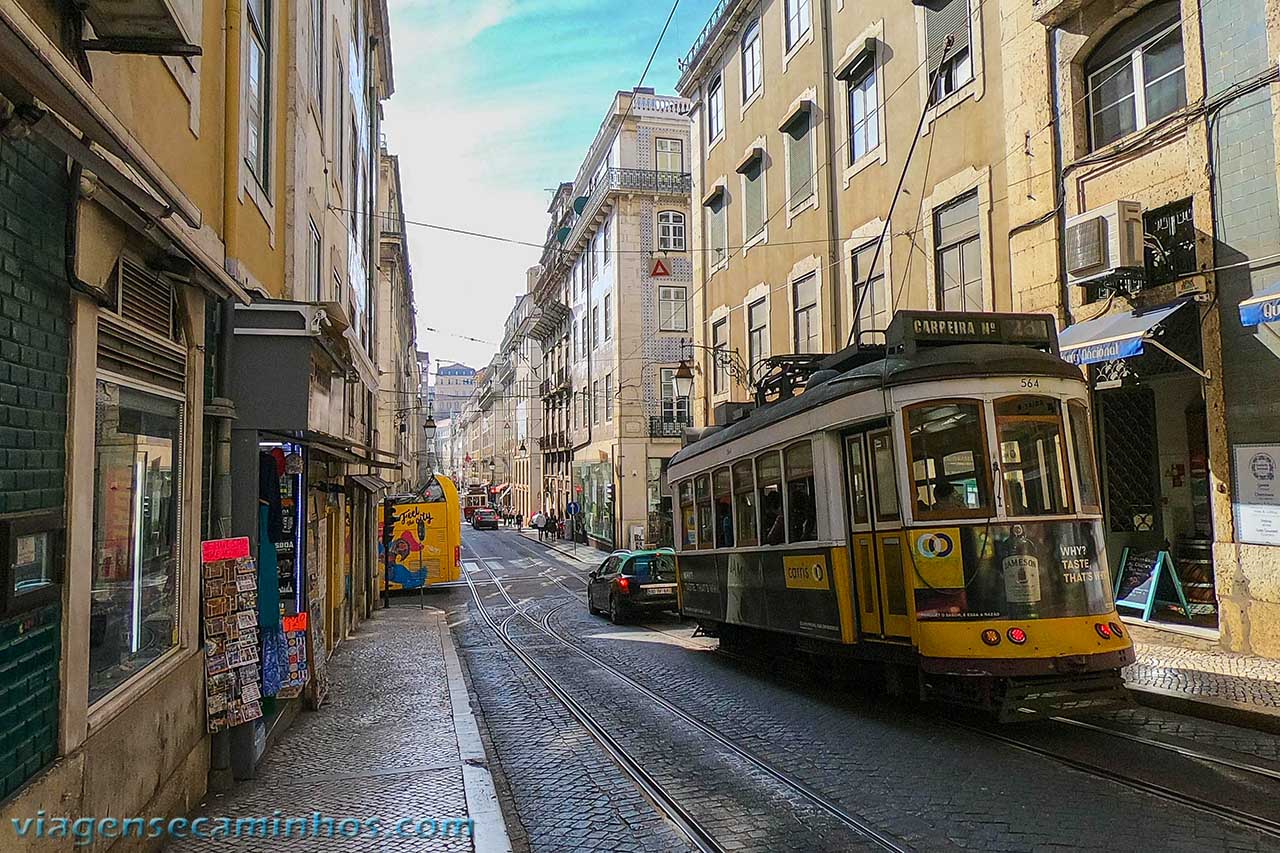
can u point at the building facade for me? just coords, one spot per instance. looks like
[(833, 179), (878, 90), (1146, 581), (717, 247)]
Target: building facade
[(1162, 116), (611, 312), (805, 115), (454, 383), (166, 213)]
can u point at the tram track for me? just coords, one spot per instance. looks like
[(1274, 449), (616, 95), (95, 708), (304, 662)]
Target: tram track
[(1086, 764), (1258, 823), (794, 785)]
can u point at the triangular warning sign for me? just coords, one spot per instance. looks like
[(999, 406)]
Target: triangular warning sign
[(659, 269)]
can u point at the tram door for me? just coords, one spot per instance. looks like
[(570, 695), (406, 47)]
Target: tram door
[(876, 538)]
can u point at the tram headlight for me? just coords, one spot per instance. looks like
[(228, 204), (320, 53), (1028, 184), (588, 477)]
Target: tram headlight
[(991, 637), (1115, 629), (1017, 636)]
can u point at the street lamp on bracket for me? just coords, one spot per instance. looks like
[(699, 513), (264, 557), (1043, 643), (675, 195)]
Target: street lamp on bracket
[(728, 360)]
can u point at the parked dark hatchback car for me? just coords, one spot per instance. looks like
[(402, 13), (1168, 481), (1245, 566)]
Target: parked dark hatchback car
[(630, 582), (484, 517)]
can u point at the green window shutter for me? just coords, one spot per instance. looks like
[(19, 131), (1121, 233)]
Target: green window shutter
[(952, 18), (754, 199), (800, 167)]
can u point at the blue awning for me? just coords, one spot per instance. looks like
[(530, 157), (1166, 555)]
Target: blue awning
[(1112, 337), (1263, 308)]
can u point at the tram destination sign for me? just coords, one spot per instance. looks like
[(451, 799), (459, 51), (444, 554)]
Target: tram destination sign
[(911, 331)]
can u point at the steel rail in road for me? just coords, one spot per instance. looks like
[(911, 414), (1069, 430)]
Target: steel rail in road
[(1184, 751), (666, 802), (1267, 826), (856, 824)]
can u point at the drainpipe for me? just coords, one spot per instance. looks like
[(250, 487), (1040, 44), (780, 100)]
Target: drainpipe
[(230, 750), (1059, 184), (833, 214)]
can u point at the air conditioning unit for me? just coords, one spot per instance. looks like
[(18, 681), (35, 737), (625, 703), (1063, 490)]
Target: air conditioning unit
[(1104, 241)]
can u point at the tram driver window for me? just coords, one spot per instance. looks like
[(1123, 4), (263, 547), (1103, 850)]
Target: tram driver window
[(802, 503), (724, 508), (702, 494), (1086, 468), (1033, 459), (744, 502), (948, 459), (688, 526), (773, 526)]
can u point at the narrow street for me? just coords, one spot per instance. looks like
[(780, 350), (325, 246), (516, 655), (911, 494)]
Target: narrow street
[(643, 737)]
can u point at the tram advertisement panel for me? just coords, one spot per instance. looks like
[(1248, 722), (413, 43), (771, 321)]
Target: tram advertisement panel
[(781, 591), (1032, 570)]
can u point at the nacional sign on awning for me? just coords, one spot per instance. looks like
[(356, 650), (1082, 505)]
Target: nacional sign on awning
[(1112, 337), (1262, 308)]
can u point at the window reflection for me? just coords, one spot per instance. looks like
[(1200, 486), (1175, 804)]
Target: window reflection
[(133, 615), (948, 459)]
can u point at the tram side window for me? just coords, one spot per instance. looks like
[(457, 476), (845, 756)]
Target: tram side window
[(948, 459), (885, 477), (1033, 458), (802, 501), (688, 524), (744, 502), (773, 526), (702, 494), (1086, 466), (724, 508)]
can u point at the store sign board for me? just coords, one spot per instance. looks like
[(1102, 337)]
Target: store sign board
[(1148, 578), (1257, 493)]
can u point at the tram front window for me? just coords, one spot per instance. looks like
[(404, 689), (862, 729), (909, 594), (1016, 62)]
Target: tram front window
[(688, 526), (948, 460), (702, 489), (1086, 469), (1033, 461)]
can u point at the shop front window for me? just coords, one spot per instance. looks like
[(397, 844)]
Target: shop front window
[(948, 460), (1033, 460), (591, 485), (134, 608)]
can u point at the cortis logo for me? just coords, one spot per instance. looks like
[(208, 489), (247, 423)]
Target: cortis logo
[(1262, 466), (935, 545)]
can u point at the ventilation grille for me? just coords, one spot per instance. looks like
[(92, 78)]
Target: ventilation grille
[(1087, 245), (126, 353), (146, 298)]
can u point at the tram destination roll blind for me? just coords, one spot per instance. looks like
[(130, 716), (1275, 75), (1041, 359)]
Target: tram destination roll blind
[(911, 331)]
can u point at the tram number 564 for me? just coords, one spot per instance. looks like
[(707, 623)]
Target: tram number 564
[(1029, 382)]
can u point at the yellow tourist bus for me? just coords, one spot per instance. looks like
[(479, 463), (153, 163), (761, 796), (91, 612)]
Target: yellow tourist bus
[(426, 541)]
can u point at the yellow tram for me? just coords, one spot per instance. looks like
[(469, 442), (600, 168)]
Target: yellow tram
[(932, 505), (426, 538)]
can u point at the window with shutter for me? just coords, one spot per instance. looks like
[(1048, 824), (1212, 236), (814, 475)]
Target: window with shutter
[(951, 67), (753, 199), (717, 230), (800, 178)]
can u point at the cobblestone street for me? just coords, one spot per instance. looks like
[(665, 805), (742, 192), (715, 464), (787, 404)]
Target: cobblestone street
[(765, 763)]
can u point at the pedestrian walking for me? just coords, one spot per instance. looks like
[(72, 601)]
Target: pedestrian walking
[(551, 525), (539, 522)]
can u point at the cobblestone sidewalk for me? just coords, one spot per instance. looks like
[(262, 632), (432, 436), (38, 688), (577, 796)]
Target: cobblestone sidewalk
[(394, 742), (1197, 668)]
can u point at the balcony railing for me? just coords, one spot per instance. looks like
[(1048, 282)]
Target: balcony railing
[(628, 180), (714, 25), (669, 427)]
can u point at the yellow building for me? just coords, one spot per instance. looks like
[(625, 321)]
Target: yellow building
[(1143, 210), (147, 170), (805, 115)]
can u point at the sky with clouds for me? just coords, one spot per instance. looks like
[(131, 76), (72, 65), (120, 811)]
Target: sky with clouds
[(495, 103)]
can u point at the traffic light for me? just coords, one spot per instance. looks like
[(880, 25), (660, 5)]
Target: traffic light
[(390, 517)]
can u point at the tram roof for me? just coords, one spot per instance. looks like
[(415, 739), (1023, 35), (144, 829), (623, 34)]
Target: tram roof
[(958, 361)]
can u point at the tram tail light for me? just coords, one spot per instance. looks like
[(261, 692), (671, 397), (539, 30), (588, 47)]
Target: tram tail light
[(991, 637), (1017, 636), (624, 585), (457, 556), (1115, 629), (1103, 631)]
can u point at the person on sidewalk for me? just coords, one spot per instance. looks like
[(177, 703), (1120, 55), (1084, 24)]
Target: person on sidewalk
[(519, 521), (539, 522)]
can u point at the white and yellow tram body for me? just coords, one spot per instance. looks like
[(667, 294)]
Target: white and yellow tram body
[(938, 508)]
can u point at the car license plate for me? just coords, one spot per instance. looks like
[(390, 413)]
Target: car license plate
[(664, 589)]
